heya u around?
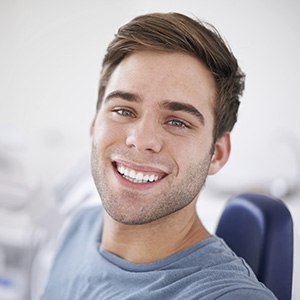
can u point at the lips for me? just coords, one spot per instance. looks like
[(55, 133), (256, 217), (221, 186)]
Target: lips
[(139, 175)]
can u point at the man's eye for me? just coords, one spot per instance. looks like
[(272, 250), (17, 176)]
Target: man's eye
[(178, 123), (124, 112)]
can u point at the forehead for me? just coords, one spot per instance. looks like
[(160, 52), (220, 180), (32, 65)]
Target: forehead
[(164, 76)]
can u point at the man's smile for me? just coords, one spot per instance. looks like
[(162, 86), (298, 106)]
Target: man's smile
[(137, 174)]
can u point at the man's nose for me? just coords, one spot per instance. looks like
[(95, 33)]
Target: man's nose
[(145, 135)]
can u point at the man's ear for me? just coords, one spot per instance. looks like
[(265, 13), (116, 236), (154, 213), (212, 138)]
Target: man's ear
[(221, 153)]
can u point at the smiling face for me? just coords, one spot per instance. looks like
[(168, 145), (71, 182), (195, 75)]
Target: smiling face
[(152, 139)]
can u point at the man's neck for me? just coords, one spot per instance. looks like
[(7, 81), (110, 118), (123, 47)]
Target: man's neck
[(156, 240)]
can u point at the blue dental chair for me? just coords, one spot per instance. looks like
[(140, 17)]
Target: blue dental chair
[(260, 229)]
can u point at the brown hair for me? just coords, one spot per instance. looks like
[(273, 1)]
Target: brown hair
[(177, 32)]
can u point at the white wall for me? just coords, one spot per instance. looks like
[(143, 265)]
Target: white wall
[(51, 53)]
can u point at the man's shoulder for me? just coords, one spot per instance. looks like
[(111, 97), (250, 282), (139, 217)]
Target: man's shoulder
[(84, 225), (217, 273), (87, 215), (84, 219)]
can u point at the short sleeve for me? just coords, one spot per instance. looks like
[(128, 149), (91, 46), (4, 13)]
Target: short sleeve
[(248, 294)]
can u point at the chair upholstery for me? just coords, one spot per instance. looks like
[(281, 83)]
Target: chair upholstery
[(260, 229)]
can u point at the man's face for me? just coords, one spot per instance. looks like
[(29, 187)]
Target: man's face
[(153, 135)]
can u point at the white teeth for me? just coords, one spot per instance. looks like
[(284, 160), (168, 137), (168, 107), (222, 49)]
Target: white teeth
[(122, 169), (132, 174), (137, 177), (125, 172), (146, 178), (151, 178)]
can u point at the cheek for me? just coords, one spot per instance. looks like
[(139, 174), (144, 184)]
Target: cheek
[(189, 153), (105, 133), (199, 145)]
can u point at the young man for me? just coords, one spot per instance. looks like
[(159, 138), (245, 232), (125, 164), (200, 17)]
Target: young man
[(168, 99)]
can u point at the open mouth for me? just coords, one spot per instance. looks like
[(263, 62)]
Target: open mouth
[(137, 176)]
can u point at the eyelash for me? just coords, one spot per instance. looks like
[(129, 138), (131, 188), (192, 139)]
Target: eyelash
[(178, 124), (124, 112)]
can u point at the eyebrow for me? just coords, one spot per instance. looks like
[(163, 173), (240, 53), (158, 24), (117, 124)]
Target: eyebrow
[(123, 95), (180, 106), (169, 105)]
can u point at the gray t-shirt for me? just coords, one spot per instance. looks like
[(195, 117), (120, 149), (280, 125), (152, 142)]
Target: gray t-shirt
[(208, 270)]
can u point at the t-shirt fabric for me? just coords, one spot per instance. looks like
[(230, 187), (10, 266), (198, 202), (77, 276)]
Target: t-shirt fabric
[(208, 270)]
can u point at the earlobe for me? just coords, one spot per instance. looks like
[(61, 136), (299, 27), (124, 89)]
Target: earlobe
[(221, 154)]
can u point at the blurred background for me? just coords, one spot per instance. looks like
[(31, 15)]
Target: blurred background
[(51, 53)]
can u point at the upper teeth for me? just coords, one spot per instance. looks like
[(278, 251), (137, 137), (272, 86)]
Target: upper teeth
[(137, 177)]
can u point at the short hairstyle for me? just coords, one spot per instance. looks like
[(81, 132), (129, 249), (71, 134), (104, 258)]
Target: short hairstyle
[(174, 32)]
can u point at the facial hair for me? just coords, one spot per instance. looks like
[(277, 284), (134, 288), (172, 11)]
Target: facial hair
[(137, 208)]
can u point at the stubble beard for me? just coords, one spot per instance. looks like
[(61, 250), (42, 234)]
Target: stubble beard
[(176, 195)]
